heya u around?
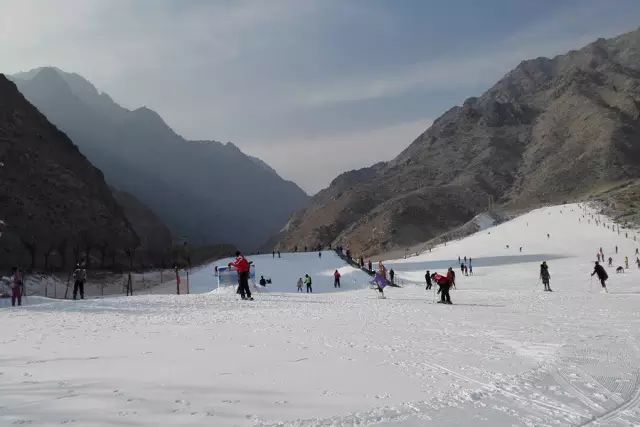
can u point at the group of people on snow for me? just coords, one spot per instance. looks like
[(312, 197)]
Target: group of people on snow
[(17, 286)]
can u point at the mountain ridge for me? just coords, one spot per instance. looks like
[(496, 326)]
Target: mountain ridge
[(56, 205), (549, 130), (206, 192)]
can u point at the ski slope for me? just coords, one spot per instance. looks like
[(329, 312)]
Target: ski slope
[(506, 353), (285, 271)]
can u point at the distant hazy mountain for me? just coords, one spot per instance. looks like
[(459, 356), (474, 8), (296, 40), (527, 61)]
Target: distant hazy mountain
[(206, 191), (56, 206), (550, 130)]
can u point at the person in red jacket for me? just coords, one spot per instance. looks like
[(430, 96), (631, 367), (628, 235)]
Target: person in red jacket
[(444, 282), (243, 267), (336, 279), (451, 275)]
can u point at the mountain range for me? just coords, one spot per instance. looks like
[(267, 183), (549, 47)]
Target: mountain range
[(55, 206), (550, 130), (205, 191)]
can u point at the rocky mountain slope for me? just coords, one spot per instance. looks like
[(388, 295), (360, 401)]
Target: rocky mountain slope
[(56, 206), (548, 131), (156, 240), (206, 191)]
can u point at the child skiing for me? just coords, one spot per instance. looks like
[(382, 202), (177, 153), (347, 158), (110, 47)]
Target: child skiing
[(300, 284)]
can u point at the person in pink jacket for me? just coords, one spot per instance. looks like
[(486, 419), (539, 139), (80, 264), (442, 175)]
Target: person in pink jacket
[(16, 286)]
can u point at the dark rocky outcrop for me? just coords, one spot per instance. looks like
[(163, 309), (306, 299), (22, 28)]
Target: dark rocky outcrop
[(55, 205)]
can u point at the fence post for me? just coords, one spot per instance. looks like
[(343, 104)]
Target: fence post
[(177, 281)]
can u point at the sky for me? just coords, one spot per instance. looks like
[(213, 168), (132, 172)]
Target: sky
[(314, 88)]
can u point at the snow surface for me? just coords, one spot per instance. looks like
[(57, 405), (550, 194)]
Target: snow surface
[(285, 271), (506, 353)]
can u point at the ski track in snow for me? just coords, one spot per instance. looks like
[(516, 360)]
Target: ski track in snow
[(504, 354)]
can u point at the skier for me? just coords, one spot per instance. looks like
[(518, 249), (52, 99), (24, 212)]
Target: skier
[(427, 278), (370, 266), (273, 254), (461, 268), (79, 278), (444, 283), (392, 274), (545, 276), (470, 269), (307, 281), (263, 282), (299, 284), (598, 256), (602, 275), (610, 262), (616, 248), (451, 275), (626, 262), (336, 279), (243, 267), (380, 279), (458, 259), (17, 286), (319, 254), (278, 254), (466, 270)]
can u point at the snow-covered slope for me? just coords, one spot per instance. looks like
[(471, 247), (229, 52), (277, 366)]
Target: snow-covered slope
[(566, 236), (506, 353), (285, 271)]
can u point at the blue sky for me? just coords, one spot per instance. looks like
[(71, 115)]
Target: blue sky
[(312, 87)]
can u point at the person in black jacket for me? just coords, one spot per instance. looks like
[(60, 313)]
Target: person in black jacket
[(602, 274), (427, 277), (545, 276)]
